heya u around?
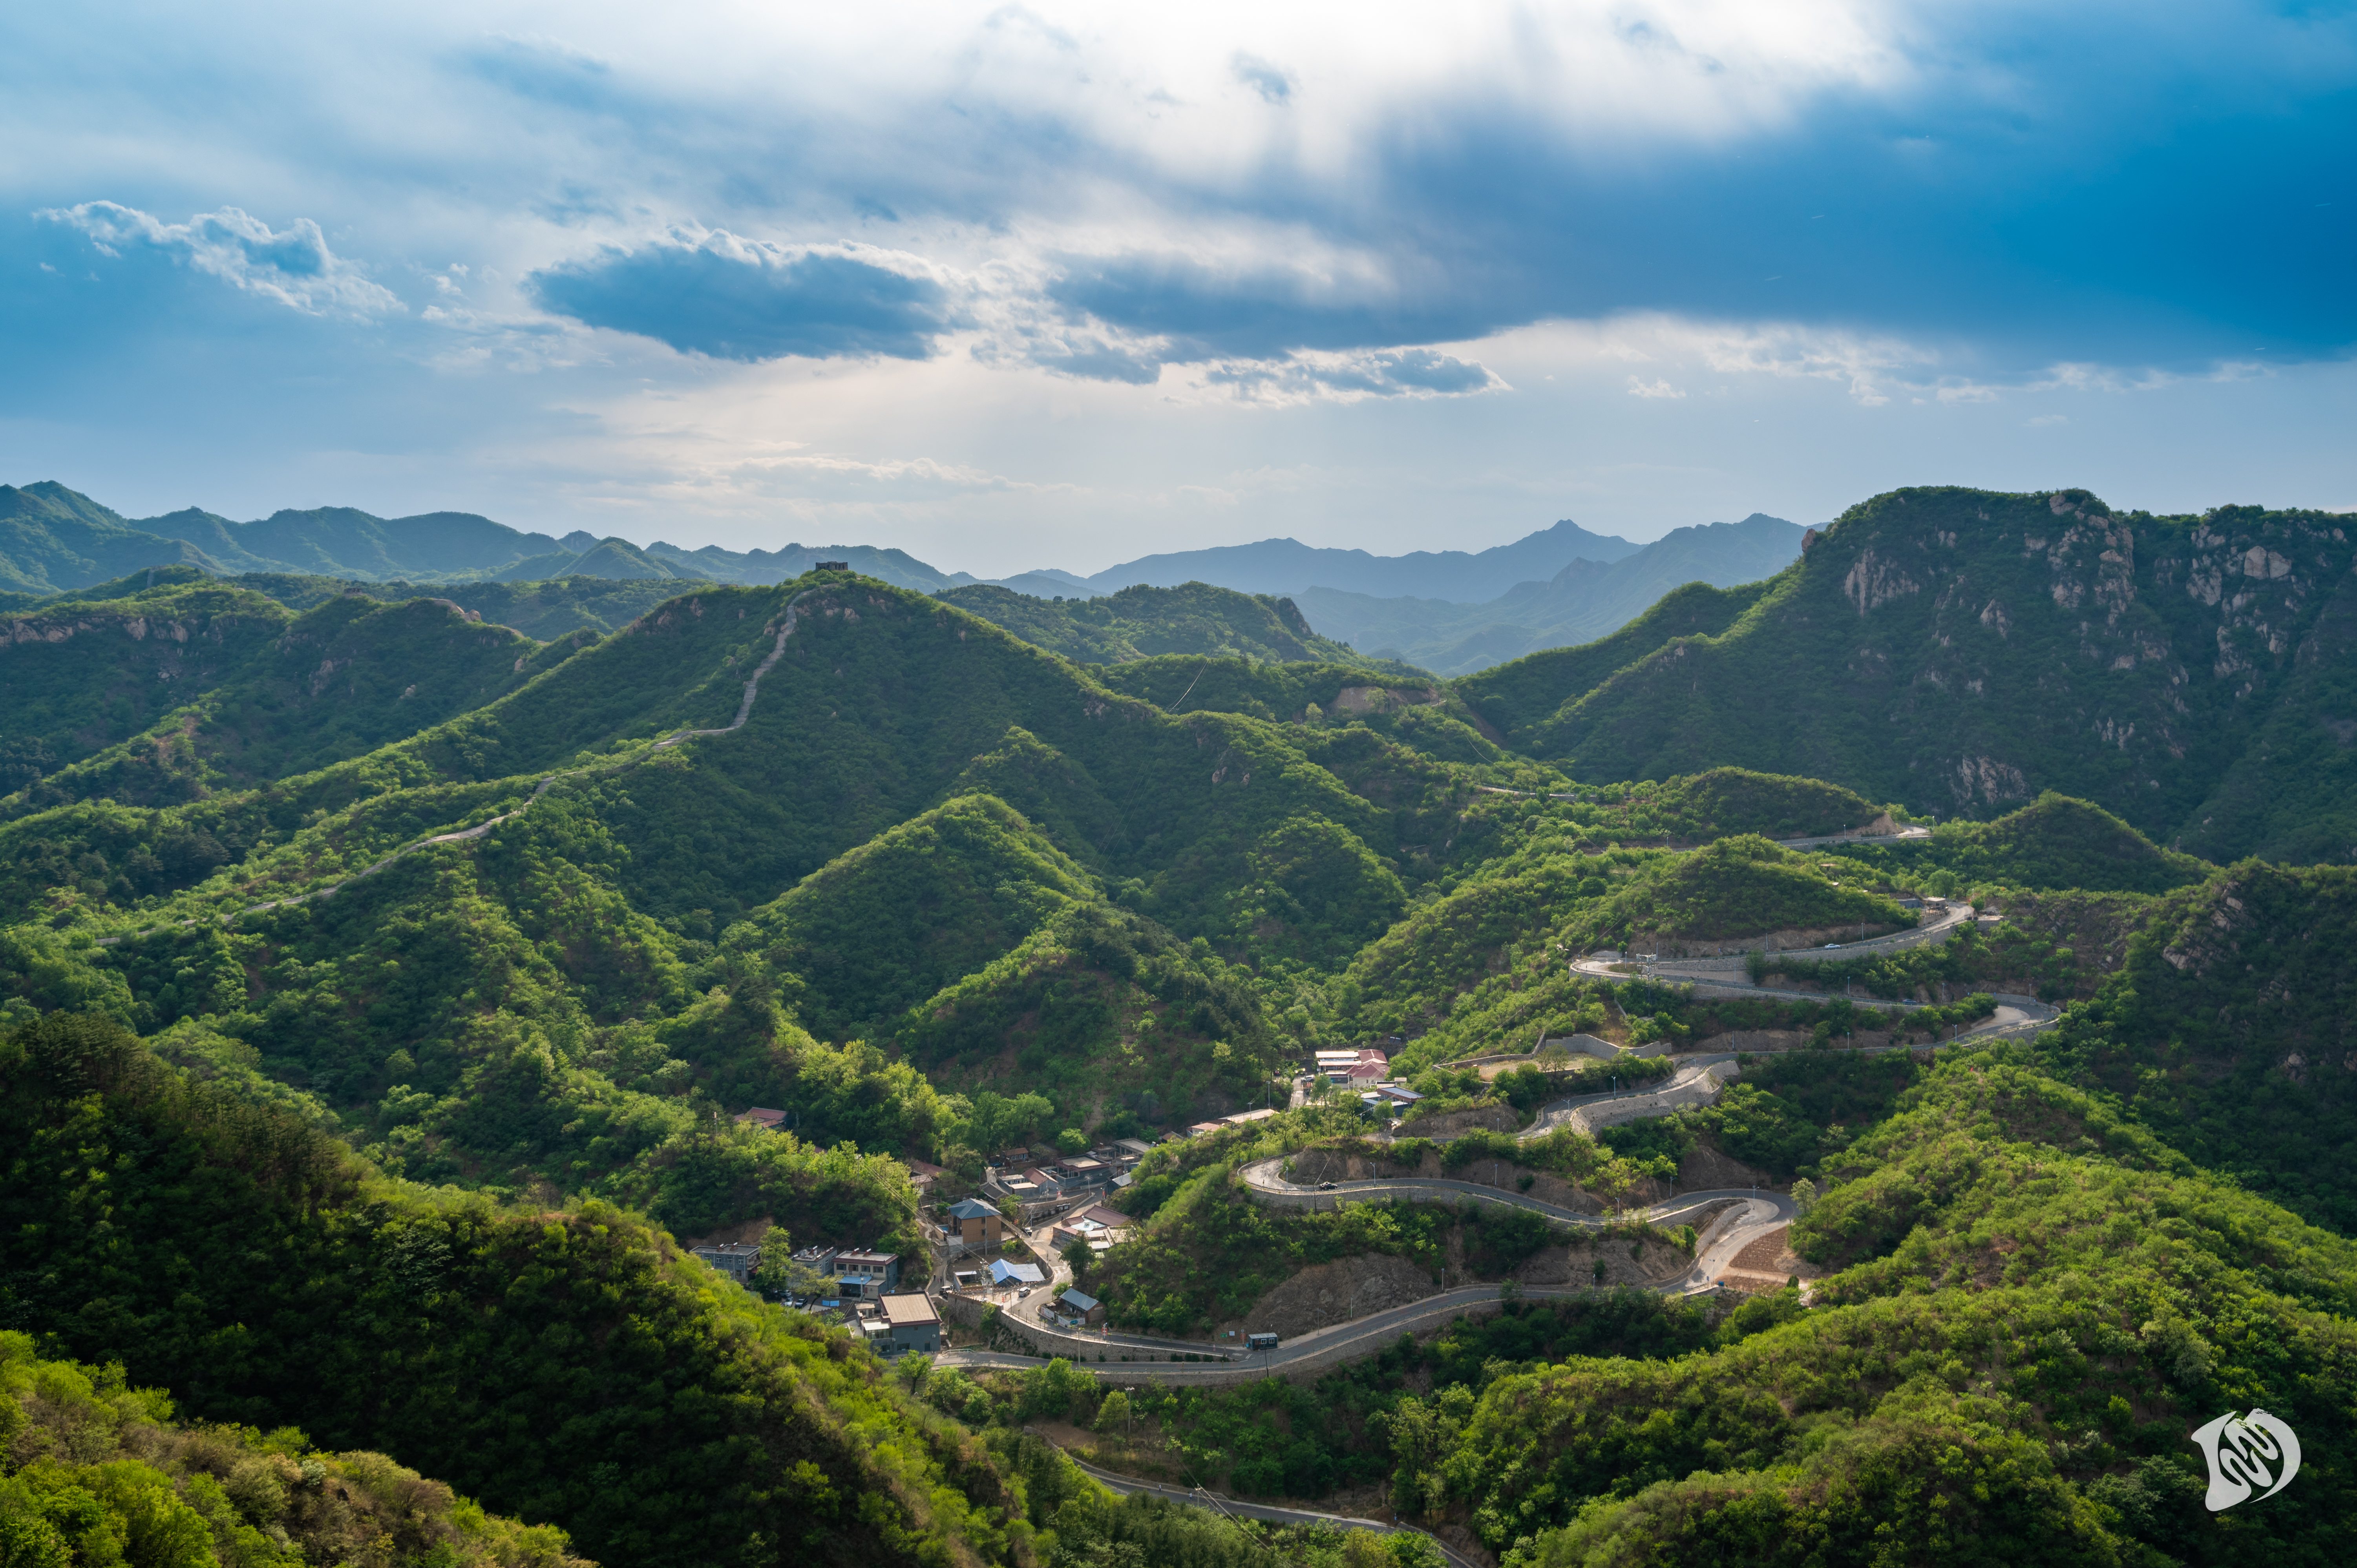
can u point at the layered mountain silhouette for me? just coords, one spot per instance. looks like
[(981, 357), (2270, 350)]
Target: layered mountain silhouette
[(1289, 566), (54, 539), (1588, 599)]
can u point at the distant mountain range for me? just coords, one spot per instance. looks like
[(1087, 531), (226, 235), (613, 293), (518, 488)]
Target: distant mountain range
[(54, 539), (1450, 611), (1289, 566), (1586, 600)]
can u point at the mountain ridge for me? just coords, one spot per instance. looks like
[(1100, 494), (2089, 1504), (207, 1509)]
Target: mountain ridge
[(1582, 601), (1289, 566)]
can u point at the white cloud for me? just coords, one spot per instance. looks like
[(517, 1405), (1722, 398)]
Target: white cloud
[(1653, 389), (1314, 376), (293, 267)]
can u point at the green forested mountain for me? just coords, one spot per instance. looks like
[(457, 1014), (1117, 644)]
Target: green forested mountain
[(1522, 696), (610, 558), (1963, 650), (150, 696), (566, 1364), (1140, 622), (113, 1477), (380, 985), (53, 540), (546, 608)]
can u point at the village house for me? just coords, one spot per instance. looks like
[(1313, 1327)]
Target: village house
[(762, 1116), (1097, 1225), (818, 1262), (905, 1324), (864, 1276), (1073, 1310), (738, 1260), (973, 1226)]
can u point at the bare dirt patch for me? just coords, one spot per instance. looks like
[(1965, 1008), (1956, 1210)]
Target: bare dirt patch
[(1327, 1293), (1314, 1165), (1449, 1123), (1656, 1262), (1763, 1267)]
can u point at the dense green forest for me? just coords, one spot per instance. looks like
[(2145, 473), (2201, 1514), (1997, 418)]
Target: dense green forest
[(371, 957), (1964, 650), (94, 1471), (547, 610), (564, 1364), (1198, 620)]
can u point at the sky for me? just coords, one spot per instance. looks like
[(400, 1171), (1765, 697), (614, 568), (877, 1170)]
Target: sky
[(1061, 284)]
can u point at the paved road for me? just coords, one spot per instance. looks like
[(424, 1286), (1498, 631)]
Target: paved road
[(1949, 922), (1130, 1486), (1695, 1083), (1904, 835), (1750, 1214)]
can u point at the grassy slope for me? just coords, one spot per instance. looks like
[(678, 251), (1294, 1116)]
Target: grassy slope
[(888, 924), (1964, 650)]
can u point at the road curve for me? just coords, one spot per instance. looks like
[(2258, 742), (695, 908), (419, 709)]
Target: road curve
[(1752, 1214)]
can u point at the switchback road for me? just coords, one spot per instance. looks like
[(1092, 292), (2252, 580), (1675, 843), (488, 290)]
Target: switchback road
[(1751, 1215)]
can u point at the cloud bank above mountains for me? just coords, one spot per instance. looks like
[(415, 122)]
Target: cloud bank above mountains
[(1241, 269)]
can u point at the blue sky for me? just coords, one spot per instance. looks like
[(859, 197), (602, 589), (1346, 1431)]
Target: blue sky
[(1014, 286)]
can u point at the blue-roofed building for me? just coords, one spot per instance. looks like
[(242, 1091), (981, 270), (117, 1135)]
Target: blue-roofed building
[(1074, 1308)]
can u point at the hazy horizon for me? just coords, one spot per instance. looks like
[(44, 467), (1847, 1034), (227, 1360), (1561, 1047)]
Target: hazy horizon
[(1056, 287)]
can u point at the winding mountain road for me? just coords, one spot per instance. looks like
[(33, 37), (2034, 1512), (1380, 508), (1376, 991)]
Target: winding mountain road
[(1710, 968), (1749, 1215)]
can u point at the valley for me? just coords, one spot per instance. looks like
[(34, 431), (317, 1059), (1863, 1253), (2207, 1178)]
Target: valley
[(1864, 1042)]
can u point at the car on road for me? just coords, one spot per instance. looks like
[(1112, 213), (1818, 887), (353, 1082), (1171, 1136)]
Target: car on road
[(1325, 1187)]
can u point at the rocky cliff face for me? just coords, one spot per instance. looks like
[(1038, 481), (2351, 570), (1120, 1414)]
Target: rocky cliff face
[(1962, 651)]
